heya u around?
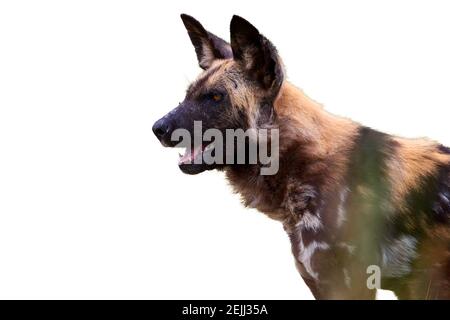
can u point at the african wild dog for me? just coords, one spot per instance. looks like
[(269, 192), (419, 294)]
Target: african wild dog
[(349, 197)]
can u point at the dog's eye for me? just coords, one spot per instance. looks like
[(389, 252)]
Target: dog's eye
[(216, 97)]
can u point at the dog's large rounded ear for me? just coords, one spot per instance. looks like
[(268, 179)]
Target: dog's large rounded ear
[(208, 46), (256, 54)]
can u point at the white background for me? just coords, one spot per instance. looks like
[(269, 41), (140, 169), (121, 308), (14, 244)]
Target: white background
[(91, 206)]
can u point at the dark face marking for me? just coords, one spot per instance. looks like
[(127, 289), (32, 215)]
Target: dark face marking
[(255, 74), (209, 102)]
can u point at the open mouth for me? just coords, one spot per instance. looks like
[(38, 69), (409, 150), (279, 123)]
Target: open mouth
[(194, 155)]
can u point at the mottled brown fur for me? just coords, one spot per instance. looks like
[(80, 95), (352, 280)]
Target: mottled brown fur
[(313, 143), (348, 196)]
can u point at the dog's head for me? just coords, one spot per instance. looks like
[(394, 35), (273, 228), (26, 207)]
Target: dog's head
[(236, 90)]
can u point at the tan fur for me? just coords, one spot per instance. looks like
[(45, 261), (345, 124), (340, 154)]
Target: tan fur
[(325, 136), (329, 133), (414, 159), (327, 140), (332, 136)]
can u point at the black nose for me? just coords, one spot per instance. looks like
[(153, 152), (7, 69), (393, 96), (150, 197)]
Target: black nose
[(161, 129)]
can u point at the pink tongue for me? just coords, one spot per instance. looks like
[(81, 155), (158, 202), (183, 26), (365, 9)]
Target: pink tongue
[(188, 157)]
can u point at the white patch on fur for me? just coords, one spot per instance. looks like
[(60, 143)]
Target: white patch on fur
[(310, 221), (444, 198), (398, 255), (341, 213), (306, 254)]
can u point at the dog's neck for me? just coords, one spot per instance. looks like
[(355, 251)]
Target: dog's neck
[(306, 132), (305, 122)]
